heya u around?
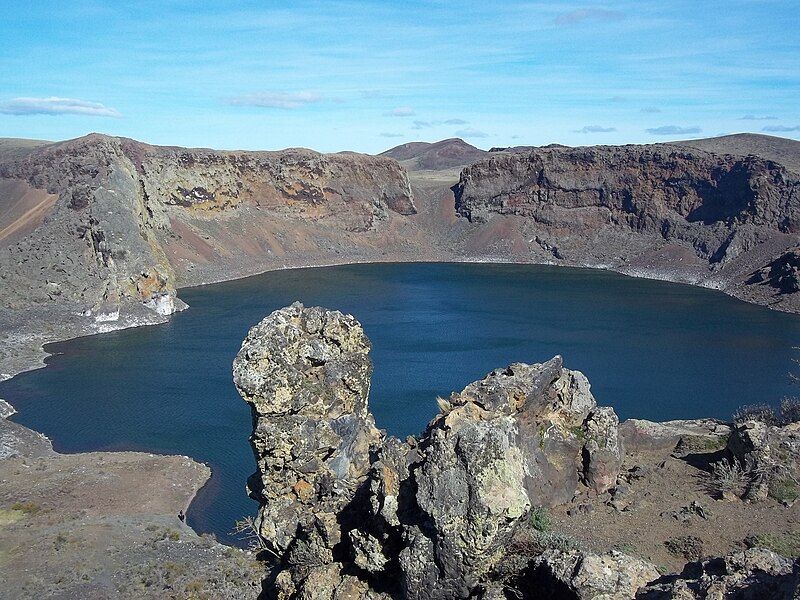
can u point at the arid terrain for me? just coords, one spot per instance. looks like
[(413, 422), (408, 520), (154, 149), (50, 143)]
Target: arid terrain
[(105, 525), (100, 233)]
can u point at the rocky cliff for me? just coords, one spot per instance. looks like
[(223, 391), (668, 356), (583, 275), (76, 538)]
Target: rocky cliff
[(662, 210), (96, 233)]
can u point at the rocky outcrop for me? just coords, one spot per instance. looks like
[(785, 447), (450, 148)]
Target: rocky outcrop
[(428, 518), (749, 575), (587, 576), (640, 209), (769, 455), (520, 438), (783, 273), (348, 512), (306, 375)]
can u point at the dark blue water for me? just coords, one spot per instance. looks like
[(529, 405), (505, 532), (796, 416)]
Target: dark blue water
[(650, 349)]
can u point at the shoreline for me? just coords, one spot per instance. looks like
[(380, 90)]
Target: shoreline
[(647, 274), (109, 327)]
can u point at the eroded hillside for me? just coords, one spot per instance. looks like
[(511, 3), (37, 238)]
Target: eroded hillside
[(661, 211), (97, 233)]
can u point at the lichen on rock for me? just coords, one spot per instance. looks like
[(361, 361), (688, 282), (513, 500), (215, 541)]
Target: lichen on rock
[(306, 375), (343, 503)]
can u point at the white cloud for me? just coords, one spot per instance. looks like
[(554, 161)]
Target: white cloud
[(778, 128), (595, 129), (651, 109), (284, 100), (427, 124), (673, 130), (757, 118), (369, 94), (54, 105), (400, 111), (588, 14), (469, 132)]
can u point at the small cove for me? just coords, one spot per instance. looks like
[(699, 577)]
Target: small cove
[(651, 349)]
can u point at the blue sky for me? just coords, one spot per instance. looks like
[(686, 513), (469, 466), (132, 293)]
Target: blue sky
[(366, 76)]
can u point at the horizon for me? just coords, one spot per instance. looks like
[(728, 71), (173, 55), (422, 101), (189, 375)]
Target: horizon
[(400, 144), (366, 77)]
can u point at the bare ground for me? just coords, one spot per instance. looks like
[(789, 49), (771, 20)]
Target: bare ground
[(668, 501), (105, 525)]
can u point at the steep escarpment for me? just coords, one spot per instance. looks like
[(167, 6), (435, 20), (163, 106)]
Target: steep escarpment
[(96, 248), (97, 233), (662, 210), (101, 230), (226, 214)]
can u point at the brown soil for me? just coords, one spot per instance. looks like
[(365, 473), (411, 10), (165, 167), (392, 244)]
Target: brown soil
[(105, 525), (650, 513), (22, 209)]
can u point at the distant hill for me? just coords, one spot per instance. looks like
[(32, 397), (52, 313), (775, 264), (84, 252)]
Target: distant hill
[(434, 156), (16, 148), (780, 150)]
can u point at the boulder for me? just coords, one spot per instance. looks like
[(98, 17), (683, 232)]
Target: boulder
[(657, 440), (586, 576), (770, 455), (753, 574)]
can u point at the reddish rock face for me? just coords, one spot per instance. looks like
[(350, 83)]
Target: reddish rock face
[(657, 189), (297, 181), (127, 219)]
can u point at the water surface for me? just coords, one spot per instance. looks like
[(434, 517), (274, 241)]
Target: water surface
[(650, 349)]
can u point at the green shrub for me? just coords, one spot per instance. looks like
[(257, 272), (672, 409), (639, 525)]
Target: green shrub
[(29, 508), (727, 477), (718, 442), (540, 519), (784, 489), (785, 544)]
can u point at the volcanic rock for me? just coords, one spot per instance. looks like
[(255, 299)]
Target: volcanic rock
[(427, 518), (749, 575)]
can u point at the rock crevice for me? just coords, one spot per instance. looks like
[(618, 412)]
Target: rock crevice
[(343, 503)]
